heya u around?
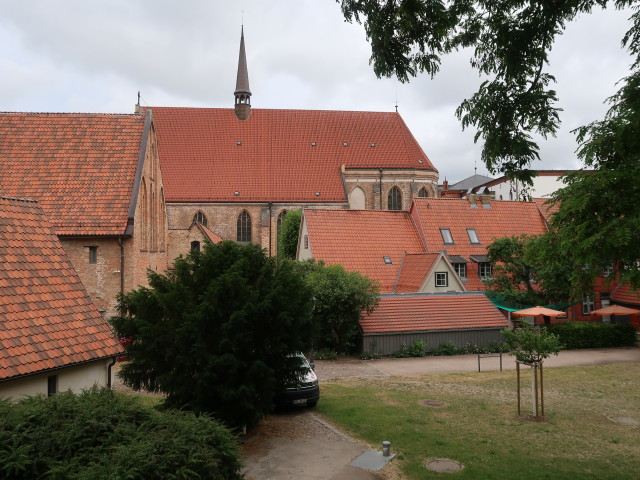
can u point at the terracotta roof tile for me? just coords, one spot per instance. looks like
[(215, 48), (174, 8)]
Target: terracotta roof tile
[(419, 312), (623, 293), (360, 239), (206, 154), (414, 270), (47, 319), (80, 167), (503, 219)]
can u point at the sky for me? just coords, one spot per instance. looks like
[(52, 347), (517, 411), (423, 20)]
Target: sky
[(95, 56)]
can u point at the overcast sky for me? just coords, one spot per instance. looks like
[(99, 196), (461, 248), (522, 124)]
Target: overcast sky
[(94, 56)]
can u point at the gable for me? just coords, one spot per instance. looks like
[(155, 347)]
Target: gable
[(80, 167), (207, 155), (47, 319)]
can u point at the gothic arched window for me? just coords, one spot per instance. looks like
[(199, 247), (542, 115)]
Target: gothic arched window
[(279, 221), (201, 218), (422, 193), (394, 199), (243, 233)]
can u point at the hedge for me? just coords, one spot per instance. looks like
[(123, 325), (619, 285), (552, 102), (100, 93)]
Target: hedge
[(102, 435), (576, 335)]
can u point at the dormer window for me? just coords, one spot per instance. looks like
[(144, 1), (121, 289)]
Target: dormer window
[(473, 236), (447, 238)]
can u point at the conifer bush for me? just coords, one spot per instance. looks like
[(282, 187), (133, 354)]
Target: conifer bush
[(103, 435)]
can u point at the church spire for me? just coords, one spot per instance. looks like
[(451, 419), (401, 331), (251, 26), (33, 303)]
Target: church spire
[(242, 93)]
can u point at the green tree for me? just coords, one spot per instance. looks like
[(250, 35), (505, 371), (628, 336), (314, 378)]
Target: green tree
[(531, 345), (528, 271), (340, 297), (598, 219), (288, 234), (510, 41), (215, 333)]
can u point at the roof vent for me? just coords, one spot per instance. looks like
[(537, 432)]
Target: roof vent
[(419, 161), (373, 144), (238, 143), (345, 144), (236, 193), (313, 144), (317, 194), (387, 260)]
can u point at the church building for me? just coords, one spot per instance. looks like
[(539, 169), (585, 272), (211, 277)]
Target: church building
[(238, 171)]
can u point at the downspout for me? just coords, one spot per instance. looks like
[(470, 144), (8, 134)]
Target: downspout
[(109, 367), (121, 265), (270, 227), (380, 189)]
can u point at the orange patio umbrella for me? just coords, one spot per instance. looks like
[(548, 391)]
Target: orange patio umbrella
[(615, 310), (535, 311)]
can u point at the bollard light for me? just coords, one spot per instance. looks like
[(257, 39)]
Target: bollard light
[(386, 449)]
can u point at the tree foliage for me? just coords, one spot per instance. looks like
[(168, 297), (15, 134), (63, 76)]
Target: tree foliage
[(531, 345), (339, 299), (528, 271), (598, 219), (510, 41), (288, 234), (100, 435), (214, 333)]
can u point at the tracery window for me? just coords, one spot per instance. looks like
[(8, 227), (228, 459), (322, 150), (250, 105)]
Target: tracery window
[(201, 218), (243, 232), (394, 199)]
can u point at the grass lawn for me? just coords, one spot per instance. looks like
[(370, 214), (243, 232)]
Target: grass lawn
[(478, 426)]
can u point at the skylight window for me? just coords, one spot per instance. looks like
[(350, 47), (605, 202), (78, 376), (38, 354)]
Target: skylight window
[(447, 238), (473, 236), (387, 260)]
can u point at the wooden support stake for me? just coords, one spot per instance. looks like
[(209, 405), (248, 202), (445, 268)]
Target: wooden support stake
[(541, 390), (518, 375)]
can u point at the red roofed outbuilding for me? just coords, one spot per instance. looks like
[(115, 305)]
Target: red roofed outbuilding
[(52, 337)]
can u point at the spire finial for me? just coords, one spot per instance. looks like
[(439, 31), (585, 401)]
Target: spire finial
[(242, 93)]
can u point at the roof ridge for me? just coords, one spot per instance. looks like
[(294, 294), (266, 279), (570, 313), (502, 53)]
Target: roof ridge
[(18, 199), (94, 114)]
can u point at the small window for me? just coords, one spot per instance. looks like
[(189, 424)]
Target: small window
[(243, 233), (93, 255), (446, 236), (52, 385), (442, 279), (195, 246), (306, 241), (422, 193), (387, 260), (473, 236), (588, 304), (461, 269), (607, 270), (394, 199), (201, 218), (484, 270)]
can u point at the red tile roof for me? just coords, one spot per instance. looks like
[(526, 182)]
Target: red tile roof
[(360, 239), (209, 234), (207, 154), (80, 167), (547, 209), (420, 312), (47, 319), (623, 293), (414, 269), (503, 219)]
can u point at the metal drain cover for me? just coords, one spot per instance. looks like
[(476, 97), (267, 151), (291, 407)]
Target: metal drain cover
[(443, 465)]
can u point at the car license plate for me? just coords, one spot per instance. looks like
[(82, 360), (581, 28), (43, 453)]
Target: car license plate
[(300, 401)]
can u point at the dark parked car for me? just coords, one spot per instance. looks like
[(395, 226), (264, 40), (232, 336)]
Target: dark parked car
[(305, 393)]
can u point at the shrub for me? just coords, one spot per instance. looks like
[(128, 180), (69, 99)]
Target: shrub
[(325, 354), (576, 335), (416, 349), (102, 435), (446, 348)]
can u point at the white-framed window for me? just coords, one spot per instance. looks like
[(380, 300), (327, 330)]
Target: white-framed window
[(588, 304), (447, 238), (442, 279), (461, 269), (473, 236), (484, 269), (607, 270)]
